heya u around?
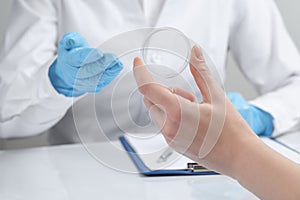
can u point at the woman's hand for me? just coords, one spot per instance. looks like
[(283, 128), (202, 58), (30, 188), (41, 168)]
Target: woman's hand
[(215, 135), (202, 131)]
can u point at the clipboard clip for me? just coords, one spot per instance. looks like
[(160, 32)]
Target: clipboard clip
[(165, 155), (195, 167)]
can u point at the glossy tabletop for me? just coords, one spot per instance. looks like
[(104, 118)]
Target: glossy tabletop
[(70, 172)]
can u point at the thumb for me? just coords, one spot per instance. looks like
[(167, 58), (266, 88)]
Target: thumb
[(74, 50), (204, 79), (72, 40)]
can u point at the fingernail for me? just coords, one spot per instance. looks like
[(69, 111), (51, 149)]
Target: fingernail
[(197, 52), (69, 44)]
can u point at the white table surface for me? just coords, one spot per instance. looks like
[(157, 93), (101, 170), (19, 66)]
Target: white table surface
[(292, 140), (69, 172)]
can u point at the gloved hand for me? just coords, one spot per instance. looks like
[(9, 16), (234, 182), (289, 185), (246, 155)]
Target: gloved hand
[(80, 69), (260, 121)]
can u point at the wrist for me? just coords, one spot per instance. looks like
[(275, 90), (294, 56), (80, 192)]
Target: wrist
[(54, 75), (243, 154), (231, 150)]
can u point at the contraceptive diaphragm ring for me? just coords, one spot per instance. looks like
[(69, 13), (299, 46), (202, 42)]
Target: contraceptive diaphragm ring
[(167, 47)]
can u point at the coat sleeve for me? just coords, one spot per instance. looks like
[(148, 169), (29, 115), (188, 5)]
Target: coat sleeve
[(29, 104), (269, 59)]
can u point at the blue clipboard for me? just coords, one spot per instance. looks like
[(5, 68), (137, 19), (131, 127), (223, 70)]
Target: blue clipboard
[(143, 169)]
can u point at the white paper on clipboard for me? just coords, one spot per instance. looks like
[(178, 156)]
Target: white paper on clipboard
[(150, 148)]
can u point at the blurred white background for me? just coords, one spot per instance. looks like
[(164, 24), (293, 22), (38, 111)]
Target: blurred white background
[(290, 13)]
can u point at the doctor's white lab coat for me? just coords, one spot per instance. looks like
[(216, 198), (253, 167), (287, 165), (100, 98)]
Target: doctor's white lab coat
[(251, 29)]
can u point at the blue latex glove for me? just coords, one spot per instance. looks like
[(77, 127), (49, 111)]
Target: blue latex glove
[(260, 121), (80, 69)]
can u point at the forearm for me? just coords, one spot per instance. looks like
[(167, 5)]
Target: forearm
[(36, 107), (266, 173), (28, 102), (270, 62), (283, 105), (20, 128)]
